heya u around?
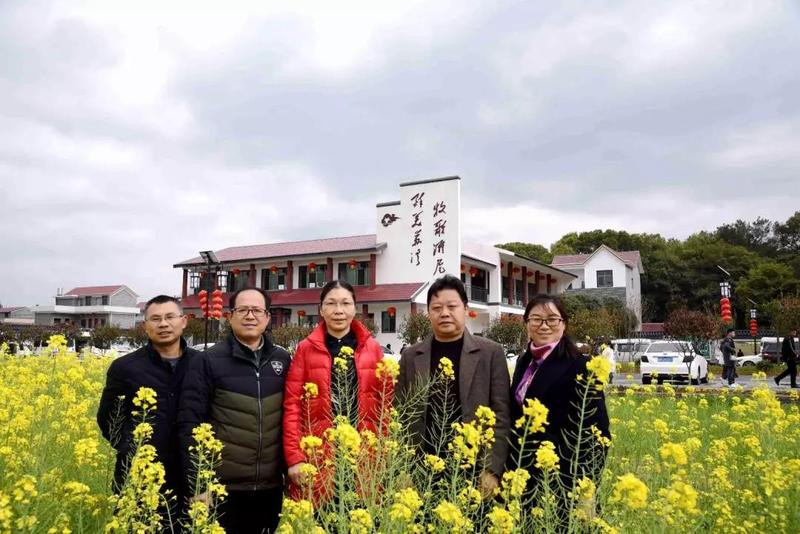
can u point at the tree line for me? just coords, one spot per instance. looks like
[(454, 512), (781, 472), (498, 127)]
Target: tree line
[(762, 257)]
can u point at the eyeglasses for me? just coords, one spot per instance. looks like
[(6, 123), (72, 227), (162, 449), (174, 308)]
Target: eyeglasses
[(346, 304), (257, 312), (552, 322), (156, 319)]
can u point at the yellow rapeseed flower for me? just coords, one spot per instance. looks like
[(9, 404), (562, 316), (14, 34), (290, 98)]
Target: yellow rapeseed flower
[(310, 390), (546, 457), (630, 491), (446, 369)]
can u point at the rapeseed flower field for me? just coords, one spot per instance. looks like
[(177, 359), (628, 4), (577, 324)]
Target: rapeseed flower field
[(681, 460)]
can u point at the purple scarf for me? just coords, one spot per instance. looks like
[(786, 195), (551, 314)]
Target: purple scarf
[(538, 355)]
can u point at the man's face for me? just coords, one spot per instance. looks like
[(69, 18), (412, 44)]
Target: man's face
[(164, 323), (447, 314), (250, 318)]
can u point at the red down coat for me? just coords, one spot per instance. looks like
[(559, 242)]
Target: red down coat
[(312, 363)]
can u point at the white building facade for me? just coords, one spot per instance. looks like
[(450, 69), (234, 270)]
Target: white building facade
[(91, 306), (606, 273), (417, 239)]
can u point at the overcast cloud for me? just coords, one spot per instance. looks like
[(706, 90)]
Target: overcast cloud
[(132, 137)]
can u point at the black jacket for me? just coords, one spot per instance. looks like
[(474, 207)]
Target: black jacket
[(728, 348), (244, 404), (555, 385), (126, 374), (789, 350)]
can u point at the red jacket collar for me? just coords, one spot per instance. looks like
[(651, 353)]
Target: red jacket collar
[(317, 336)]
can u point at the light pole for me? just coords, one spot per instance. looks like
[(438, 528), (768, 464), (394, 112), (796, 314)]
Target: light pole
[(753, 324), (213, 275)]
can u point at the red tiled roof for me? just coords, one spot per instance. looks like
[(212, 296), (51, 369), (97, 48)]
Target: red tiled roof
[(11, 309), (305, 297), (90, 291), (291, 248), (631, 257), (652, 327)]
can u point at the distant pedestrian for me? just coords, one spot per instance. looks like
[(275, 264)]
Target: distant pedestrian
[(389, 346), (728, 348), (789, 355), (739, 353)]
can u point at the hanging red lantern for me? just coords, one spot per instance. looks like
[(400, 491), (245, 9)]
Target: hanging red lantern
[(352, 264), (226, 314), (312, 267), (516, 269), (473, 271), (392, 311), (502, 265), (236, 271), (725, 310), (753, 327), (301, 313), (473, 314), (530, 274), (463, 268), (192, 316), (273, 269)]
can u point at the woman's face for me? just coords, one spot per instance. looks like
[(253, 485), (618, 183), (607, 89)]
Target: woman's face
[(338, 310), (539, 331)]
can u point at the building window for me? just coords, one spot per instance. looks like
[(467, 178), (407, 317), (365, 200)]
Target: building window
[(83, 323), (273, 281), (238, 281), (605, 278), (356, 277), (87, 301), (105, 301), (57, 320), (388, 323), (315, 279), (308, 320)]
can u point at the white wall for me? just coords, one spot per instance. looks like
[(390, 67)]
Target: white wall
[(603, 261), (398, 261)]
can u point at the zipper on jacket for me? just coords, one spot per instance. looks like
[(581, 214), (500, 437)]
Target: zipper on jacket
[(260, 432)]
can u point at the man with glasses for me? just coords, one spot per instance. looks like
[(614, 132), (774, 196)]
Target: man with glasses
[(160, 365), (237, 386)]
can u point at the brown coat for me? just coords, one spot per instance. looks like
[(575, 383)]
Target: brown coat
[(483, 380)]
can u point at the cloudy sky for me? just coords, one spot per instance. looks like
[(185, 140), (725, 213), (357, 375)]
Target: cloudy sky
[(132, 136)]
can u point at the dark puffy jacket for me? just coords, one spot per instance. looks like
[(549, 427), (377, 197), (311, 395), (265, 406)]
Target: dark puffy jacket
[(244, 404), (145, 368)]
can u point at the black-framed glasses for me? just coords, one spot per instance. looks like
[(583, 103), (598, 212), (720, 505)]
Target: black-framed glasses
[(257, 312), (552, 322)]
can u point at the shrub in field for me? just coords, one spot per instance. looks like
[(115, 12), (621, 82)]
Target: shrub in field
[(414, 327), (510, 332)]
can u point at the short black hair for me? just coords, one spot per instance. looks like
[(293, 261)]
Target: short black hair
[(333, 284), (447, 281), (729, 330), (161, 299), (267, 299)]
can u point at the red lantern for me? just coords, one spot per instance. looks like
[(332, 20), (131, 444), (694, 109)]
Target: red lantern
[(312, 267), (473, 314), (463, 268), (226, 314), (502, 265), (725, 310), (352, 264), (236, 271), (192, 316), (273, 269), (473, 271), (530, 274), (753, 327), (392, 311), (301, 313), (516, 269)]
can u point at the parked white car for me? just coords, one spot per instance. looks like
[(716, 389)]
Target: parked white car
[(673, 361), (747, 361), (630, 349)]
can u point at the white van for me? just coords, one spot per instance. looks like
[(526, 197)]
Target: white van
[(630, 349)]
